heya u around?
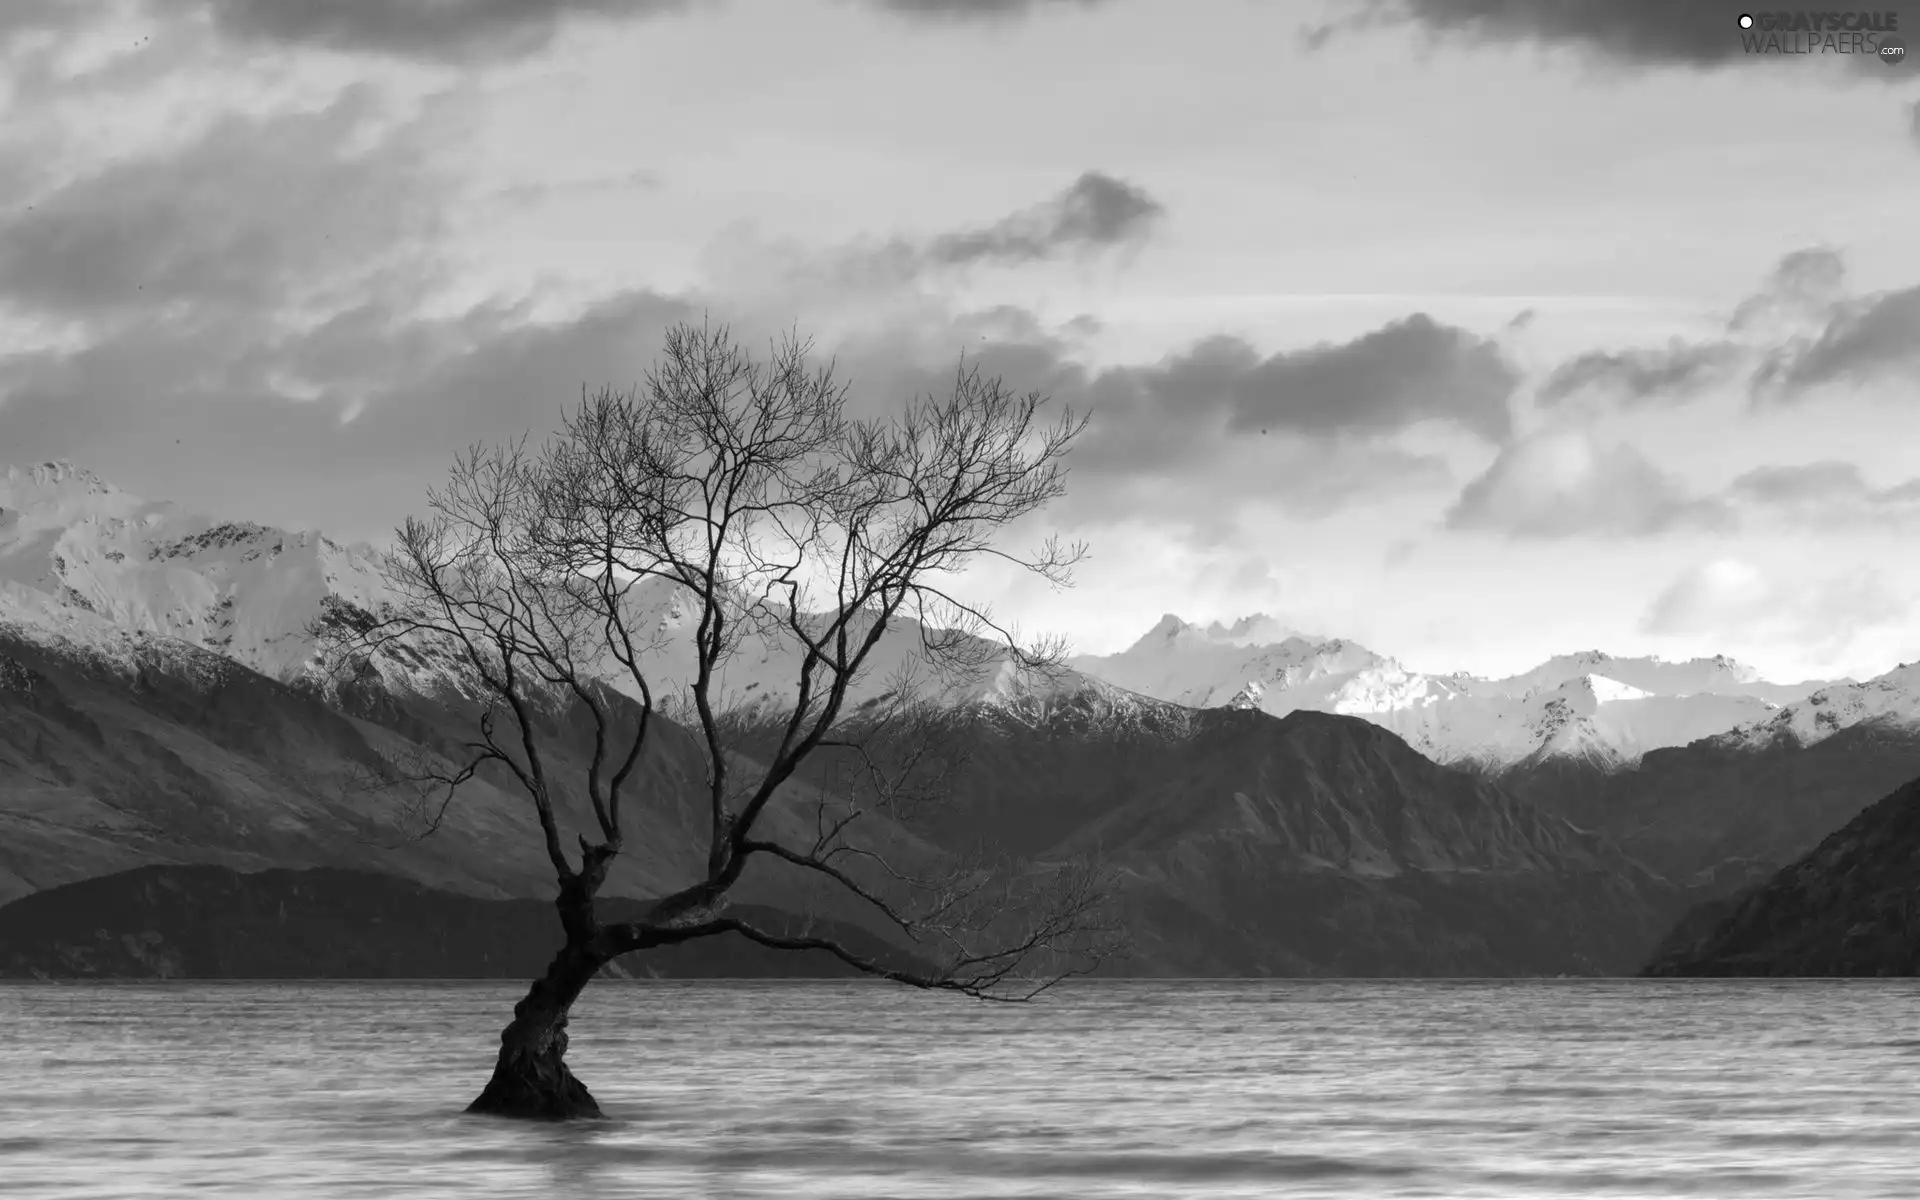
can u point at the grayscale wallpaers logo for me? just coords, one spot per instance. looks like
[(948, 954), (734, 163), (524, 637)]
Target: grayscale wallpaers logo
[(1803, 32)]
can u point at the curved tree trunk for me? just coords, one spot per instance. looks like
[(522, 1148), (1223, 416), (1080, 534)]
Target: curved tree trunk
[(530, 1078)]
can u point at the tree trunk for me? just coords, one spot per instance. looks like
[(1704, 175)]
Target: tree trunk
[(530, 1078)]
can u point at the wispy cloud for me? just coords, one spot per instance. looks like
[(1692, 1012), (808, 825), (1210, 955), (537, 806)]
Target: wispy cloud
[(1826, 494), (269, 212), (422, 29), (1729, 601), (976, 10), (1095, 212), (1676, 371)]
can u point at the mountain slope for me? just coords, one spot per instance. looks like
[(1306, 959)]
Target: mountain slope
[(1722, 812), (161, 753), (1308, 845), (1849, 907)]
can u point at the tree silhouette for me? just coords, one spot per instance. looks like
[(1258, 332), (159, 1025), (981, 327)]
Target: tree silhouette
[(743, 488)]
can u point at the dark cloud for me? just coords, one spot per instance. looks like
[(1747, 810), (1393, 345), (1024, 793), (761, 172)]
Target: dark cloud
[(1636, 32), (22, 18), (1095, 212), (1825, 493), (1798, 325), (231, 414), (970, 10), (382, 399), (1566, 484), (444, 30), (1641, 376), (257, 211), (1412, 370), (1223, 390), (1161, 445), (1863, 339), (474, 30)]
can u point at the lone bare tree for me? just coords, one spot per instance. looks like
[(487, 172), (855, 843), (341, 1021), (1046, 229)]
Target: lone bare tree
[(743, 487)]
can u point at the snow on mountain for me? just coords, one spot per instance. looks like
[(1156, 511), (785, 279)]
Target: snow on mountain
[(244, 590), (96, 569), (1891, 699), (118, 577), (1718, 675), (1588, 706)]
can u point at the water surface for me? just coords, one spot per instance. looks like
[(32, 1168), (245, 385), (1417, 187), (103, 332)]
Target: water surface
[(1336, 1089)]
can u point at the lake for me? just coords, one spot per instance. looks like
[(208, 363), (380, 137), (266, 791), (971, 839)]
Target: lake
[(1215, 1089)]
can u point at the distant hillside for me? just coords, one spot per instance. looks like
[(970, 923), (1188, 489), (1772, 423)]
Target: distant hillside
[(216, 923), (1850, 907), (1721, 813), (1312, 844)]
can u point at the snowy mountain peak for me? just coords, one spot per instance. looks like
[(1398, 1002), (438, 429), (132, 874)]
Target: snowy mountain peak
[(1166, 629), (57, 474), (1892, 698), (1599, 689), (1255, 629), (1588, 705)]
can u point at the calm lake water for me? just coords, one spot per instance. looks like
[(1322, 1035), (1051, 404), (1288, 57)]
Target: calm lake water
[(1363, 1089)]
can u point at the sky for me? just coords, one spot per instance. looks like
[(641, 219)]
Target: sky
[(1472, 330)]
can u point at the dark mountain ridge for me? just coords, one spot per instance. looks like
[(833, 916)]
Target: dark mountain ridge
[(1850, 907), (209, 922), (1244, 844), (1716, 816)]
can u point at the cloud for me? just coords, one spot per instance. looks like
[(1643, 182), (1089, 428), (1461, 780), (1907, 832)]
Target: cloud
[(1411, 370), (1863, 339), (1162, 443), (1826, 494), (1093, 215), (1701, 33), (23, 18), (461, 31), (1096, 212), (975, 10), (1563, 484), (435, 30), (1641, 376), (1913, 122), (1221, 393), (256, 211), (1801, 286), (1799, 328), (1732, 601)]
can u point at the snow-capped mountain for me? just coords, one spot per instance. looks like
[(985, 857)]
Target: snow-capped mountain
[(244, 590), (1585, 706), (95, 567), (1893, 698), (100, 569)]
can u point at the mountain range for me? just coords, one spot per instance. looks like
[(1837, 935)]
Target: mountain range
[(1271, 802)]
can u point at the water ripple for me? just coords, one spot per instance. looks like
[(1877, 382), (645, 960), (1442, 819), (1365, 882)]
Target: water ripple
[(737, 1091)]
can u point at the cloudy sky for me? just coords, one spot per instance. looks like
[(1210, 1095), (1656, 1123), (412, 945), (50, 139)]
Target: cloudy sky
[(1473, 330)]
